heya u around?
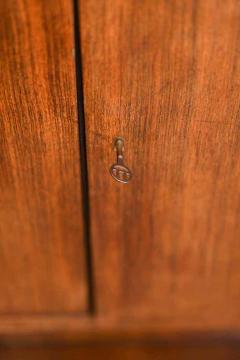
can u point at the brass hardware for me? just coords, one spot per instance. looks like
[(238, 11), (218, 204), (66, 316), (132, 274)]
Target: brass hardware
[(119, 171)]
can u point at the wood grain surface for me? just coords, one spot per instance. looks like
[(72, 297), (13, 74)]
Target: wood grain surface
[(165, 75), (121, 352), (73, 337), (71, 330), (42, 265)]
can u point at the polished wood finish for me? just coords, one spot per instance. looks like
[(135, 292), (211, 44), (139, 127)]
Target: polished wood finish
[(165, 75), (71, 330), (42, 260), (117, 351), (71, 336)]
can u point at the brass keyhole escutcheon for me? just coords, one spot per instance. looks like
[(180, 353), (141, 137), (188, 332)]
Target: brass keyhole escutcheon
[(119, 171)]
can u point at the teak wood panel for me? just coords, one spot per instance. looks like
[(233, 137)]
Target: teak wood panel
[(42, 266), (165, 76)]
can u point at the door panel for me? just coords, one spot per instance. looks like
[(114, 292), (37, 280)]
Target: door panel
[(165, 76), (42, 260)]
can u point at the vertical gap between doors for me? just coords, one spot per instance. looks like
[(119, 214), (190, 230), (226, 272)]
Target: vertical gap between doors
[(83, 158)]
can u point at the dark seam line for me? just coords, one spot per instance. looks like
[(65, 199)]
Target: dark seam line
[(83, 159)]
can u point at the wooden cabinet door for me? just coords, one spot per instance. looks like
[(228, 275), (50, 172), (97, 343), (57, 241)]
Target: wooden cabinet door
[(42, 260), (165, 76)]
